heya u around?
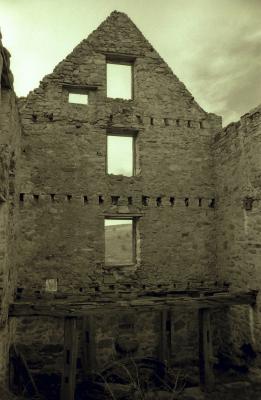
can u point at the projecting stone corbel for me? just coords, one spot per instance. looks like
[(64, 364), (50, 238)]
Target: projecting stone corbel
[(248, 203)]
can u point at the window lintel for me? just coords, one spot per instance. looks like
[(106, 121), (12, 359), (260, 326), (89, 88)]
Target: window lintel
[(122, 215), (79, 89), (121, 130), (120, 58)]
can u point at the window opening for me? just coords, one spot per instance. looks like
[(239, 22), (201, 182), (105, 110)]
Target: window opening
[(119, 80), (120, 155), (120, 237), (78, 98)]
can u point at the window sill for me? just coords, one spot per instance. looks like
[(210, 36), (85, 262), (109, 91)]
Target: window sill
[(119, 266), (121, 177), (119, 100)]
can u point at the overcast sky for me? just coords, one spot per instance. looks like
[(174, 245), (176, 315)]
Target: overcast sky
[(213, 46)]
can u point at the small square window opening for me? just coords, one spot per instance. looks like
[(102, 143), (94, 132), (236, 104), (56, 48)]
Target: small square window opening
[(119, 81), (78, 98), (120, 241)]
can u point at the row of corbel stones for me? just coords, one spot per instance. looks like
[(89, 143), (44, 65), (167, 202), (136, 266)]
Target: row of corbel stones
[(117, 200)]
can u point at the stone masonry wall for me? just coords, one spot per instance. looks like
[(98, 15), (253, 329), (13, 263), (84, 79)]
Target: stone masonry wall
[(65, 192), (9, 186), (64, 156), (196, 191), (237, 164)]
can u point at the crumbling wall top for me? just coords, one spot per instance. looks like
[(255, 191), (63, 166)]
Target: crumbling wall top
[(118, 36), (248, 123), (6, 75)]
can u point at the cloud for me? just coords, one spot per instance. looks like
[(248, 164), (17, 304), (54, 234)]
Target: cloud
[(224, 67)]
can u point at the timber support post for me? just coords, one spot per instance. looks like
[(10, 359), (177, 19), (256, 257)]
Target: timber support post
[(89, 348), (70, 358), (205, 350), (165, 336)]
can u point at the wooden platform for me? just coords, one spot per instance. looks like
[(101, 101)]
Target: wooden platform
[(86, 301), (78, 306)]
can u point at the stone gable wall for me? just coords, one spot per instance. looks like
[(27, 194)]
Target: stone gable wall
[(66, 192), (64, 153)]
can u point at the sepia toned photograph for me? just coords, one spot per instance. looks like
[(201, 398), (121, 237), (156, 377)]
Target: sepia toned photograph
[(130, 200)]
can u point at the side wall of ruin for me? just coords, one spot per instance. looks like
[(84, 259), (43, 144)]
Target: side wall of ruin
[(238, 222), (9, 189)]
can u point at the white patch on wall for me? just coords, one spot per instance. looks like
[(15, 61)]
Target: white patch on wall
[(51, 285), (78, 98)]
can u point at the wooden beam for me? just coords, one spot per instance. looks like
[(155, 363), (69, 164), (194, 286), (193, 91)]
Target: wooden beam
[(122, 130), (123, 215), (205, 350), (79, 307), (89, 346), (120, 57), (70, 358), (80, 88)]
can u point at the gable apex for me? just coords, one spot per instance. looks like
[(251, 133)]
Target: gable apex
[(118, 38), (119, 32)]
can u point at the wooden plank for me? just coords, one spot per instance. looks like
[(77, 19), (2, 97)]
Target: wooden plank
[(82, 307), (205, 350), (70, 358), (89, 345), (144, 288)]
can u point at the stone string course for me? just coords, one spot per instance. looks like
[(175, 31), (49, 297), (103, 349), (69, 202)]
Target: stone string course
[(120, 201)]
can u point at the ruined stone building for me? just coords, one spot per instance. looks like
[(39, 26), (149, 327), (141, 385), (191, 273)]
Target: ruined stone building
[(160, 261)]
